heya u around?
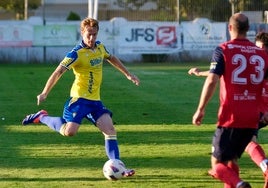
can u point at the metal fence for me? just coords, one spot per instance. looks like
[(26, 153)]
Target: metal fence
[(150, 10), (142, 10), (179, 10)]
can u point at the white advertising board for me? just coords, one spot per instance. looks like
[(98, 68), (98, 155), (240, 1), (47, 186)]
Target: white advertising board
[(203, 36), (55, 35), (16, 35), (149, 38)]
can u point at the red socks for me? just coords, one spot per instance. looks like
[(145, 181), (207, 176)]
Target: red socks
[(227, 174), (256, 152)]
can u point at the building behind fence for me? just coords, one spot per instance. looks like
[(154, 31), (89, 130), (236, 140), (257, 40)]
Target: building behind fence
[(143, 13)]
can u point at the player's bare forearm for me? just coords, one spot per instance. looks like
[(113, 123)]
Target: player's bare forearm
[(197, 72), (51, 82), (207, 91), (120, 66), (206, 94)]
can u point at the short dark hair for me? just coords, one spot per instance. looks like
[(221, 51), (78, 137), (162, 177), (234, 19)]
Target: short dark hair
[(262, 37), (240, 23)]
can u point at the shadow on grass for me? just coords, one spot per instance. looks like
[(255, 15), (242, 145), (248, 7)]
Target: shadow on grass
[(25, 147), (185, 149), (45, 179), (20, 162), (138, 181)]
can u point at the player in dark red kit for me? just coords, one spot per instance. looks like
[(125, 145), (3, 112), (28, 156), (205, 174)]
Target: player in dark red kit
[(240, 66)]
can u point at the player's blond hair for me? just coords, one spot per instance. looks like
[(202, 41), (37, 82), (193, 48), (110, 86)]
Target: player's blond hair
[(89, 22)]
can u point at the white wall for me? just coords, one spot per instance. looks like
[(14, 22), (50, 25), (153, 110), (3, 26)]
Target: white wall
[(20, 41)]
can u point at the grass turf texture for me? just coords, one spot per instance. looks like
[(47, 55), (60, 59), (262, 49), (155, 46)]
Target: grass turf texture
[(153, 122)]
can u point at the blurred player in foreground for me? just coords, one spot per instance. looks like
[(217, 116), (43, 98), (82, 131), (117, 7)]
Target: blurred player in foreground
[(240, 66), (86, 61), (255, 151)]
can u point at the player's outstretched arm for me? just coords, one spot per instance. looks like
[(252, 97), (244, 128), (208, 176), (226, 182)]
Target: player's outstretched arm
[(198, 117), (119, 65), (206, 94), (51, 82), (197, 72), (264, 118)]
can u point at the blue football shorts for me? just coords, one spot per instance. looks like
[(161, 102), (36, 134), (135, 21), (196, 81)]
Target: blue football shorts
[(75, 109)]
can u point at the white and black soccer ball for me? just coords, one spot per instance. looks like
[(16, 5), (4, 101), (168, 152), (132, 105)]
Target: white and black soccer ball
[(113, 169)]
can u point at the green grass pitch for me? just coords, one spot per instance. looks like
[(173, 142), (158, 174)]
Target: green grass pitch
[(153, 122)]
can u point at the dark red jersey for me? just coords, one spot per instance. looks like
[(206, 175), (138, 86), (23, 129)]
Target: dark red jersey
[(242, 67), (264, 103)]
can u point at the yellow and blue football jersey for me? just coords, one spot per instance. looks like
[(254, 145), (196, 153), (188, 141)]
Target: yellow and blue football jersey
[(87, 67)]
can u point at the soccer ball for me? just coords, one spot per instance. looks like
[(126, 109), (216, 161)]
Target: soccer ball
[(113, 169)]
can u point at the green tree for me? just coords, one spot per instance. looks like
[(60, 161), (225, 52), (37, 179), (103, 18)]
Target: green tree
[(131, 4), (217, 10), (252, 5), (17, 6), (73, 16)]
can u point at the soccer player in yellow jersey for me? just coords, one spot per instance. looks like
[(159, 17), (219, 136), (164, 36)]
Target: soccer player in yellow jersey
[(86, 61)]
